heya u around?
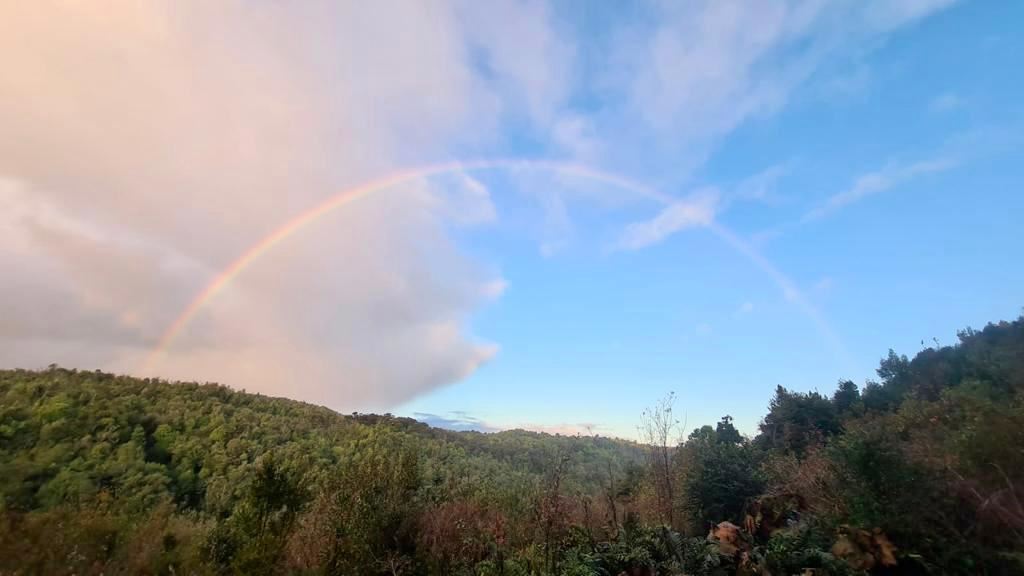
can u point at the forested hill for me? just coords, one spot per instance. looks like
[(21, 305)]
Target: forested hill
[(919, 472), (69, 435)]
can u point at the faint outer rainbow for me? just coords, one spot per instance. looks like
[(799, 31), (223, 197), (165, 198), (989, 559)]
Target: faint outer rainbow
[(359, 191)]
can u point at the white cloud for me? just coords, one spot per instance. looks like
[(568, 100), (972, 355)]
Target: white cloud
[(699, 77), (152, 144), (576, 135), (878, 181), (554, 229), (464, 200), (522, 51), (494, 289), (696, 210)]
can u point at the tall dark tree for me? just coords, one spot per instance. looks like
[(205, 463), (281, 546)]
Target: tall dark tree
[(895, 372), (726, 433), (720, 475), (847, 398), (705, 433), (796, 421), (877, 398)]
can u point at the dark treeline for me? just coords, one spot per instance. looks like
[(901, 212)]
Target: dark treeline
[(921, 472)]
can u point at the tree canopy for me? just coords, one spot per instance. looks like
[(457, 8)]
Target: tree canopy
[(921, 471)]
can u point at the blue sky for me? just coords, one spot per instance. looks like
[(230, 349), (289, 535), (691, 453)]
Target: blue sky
[(807, 185), (592, 337)]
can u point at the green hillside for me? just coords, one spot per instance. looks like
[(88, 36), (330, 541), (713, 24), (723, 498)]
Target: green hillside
[(70, 436), (920, 472)]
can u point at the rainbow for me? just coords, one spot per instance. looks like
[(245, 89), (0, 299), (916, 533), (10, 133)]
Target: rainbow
[(355, 193)]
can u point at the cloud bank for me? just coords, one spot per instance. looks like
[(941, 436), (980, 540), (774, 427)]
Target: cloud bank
[(144, 146)]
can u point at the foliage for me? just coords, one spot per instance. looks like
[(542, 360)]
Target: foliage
[(253, 538), (921, 472), (847, 399), (797, 421), (720, 474)]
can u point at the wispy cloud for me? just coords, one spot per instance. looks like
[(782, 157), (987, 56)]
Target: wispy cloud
[(564, 429), (575, 133), (876, 182), (761, 187), (696, 210), (884, 16), (704, 68), (462, 421), (456, 420), (529, 60), (849, 84), (957, 150), (465, 201)]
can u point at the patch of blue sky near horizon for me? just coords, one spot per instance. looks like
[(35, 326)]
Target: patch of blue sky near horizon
[(894, 268), (458, 421), (694, 211), (596, 337)]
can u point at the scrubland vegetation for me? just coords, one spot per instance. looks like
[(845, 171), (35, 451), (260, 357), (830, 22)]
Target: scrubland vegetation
[(921, 472)]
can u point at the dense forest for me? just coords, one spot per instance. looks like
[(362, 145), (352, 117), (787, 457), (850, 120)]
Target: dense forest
[(920, 472)]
